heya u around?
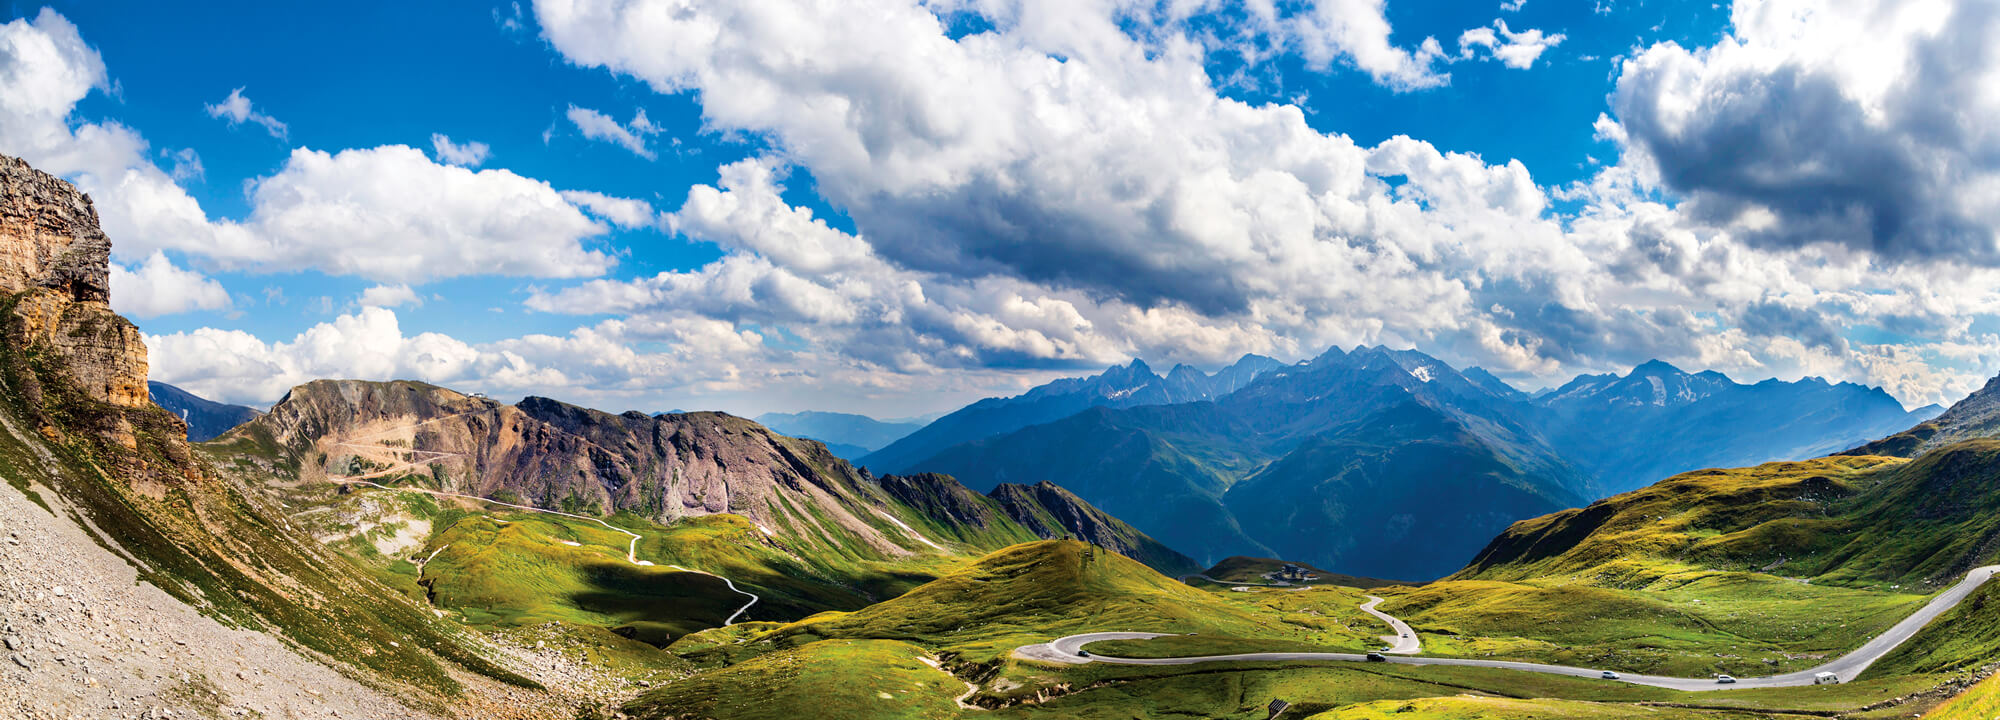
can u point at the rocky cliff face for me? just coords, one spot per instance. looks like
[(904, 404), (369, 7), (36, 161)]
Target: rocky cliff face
[(55, 263), (1977, 416), (563, 457), (559, 456)]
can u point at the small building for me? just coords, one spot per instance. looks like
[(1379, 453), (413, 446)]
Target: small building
[(1276, 707), (1826, 678)]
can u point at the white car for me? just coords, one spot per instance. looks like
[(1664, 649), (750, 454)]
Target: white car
[(1608, 675), (1725, 680)]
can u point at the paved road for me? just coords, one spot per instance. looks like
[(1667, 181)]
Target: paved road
[(732, 586), (1404, 642), (1849, 666)]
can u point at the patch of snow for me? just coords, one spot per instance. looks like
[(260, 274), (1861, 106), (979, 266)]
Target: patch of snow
[(906, 528), (1422, 373), (765, 530), (572, 543)]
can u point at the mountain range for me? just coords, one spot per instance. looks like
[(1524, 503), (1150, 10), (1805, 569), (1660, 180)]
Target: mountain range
[(663, 468), (1132, 385), (1341, 460), (205, 418), (848, 435)]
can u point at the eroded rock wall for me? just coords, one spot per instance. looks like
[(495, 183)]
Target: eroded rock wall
[(56, 262)]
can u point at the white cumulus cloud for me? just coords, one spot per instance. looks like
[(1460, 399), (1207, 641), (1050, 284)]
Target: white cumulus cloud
[(388, 296), (1517, 50), (598, 126), (237, 110), (469, 154), (388, 214), (158, 287)]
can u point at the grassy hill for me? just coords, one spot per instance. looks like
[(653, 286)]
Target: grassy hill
[(1980, 702), (830, 679), (1850, 520), (708, 492), (80, 437), (1032, 593)]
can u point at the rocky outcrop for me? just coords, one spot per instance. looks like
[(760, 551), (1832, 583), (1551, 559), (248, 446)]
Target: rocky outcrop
[(55, 263), (1977, 416), (1052, 512), (563, 457), (558, 456), (1044, 511)]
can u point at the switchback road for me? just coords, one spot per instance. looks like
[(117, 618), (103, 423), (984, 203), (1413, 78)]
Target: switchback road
[(1846, 667)]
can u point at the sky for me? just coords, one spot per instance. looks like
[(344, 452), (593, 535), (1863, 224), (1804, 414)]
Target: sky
[(894, 207)]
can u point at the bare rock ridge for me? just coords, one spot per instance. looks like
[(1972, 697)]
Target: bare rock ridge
[(56, 262), (1977, 416), (558, 456), (1050, 511)]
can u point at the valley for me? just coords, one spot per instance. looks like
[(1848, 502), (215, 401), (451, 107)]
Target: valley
[(1340, 459), (404, 549)]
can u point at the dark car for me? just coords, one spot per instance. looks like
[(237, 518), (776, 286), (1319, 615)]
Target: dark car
[(1377, 657)]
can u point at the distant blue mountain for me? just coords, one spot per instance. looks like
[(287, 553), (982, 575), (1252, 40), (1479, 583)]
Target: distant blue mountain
[(848, 435), (206, 418), (1119, 387), (1656, 421), (1379, 462)]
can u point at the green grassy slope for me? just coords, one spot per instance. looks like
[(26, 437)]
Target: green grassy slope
[(820, 534), (1690, 624), (1747, 570), (828, 679), (1980, 702), (1167, 484), (1051, 511), (1470, 707), (1031, 593), (207, 540), (1850, 520), (1364, 495)]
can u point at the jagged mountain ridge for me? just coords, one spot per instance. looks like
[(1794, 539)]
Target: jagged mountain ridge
[(1279, 468), (1976, 416), (1700, 420), (1045, 510), (205, 418), (551, 454), (1129, 385), (1295, 463)]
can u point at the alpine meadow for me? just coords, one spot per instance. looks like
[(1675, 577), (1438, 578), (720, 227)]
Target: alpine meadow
[(1011, 359)]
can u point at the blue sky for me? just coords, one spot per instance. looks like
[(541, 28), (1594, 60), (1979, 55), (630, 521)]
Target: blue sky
[(979, 196)]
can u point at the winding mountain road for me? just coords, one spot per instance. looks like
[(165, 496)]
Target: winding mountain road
[(1846, 667), (1404, 642)]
